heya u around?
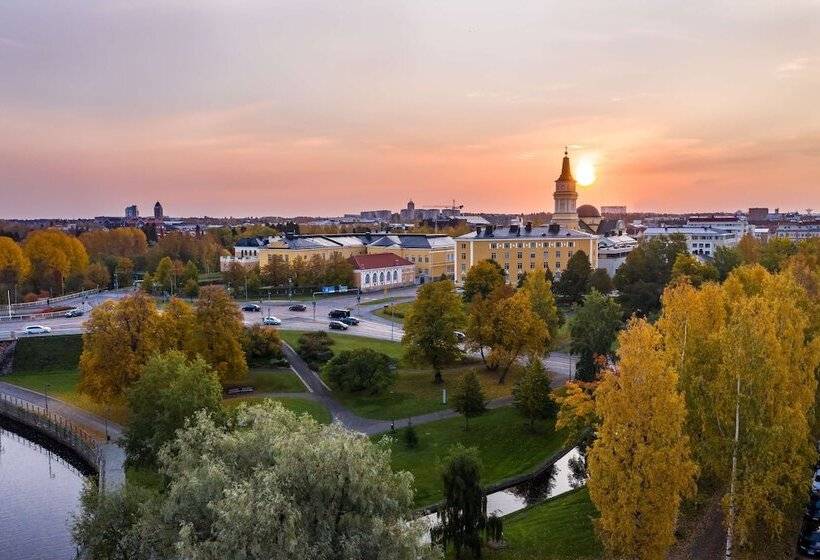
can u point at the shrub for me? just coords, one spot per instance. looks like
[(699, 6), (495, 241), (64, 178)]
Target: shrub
[(262, 345), (411, 438), (314, 348), (191, 288), (361, 370)]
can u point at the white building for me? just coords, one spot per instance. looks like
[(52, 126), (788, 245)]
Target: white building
[(738, 226), (245, 252), (797, 231), (613, 250), (702, 241), (382, 271)]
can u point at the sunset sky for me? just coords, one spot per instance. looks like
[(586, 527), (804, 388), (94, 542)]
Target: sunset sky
[(324, 107)]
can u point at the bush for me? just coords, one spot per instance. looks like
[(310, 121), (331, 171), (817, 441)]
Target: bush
[(191, 288), (314, 348), (361, 370), (262, 345), (411, 438)]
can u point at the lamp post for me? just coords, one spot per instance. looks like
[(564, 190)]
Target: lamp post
[(46, 395)]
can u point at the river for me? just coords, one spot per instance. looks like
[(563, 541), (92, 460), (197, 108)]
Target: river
[(39, 491)]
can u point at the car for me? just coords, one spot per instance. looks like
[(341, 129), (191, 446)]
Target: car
[(297, 307), (808, 544), (251, 307), (271, 320), (350, 321), (460, 336), (339, 313), (73, 313), (37, 329), (337, 326), (813, 508)]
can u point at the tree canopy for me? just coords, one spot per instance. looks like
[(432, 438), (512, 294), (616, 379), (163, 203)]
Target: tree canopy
[(574, 280), (647, 270), (482, 278), (360, 370)]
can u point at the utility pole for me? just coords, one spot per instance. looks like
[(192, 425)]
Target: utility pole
[(731, 524), (8, 296)]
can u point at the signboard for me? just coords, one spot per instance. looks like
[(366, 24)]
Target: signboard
[(333, 289)]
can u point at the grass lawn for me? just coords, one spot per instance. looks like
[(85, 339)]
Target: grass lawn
[(414, 392), (274, 380), (48, 353), (395, 312), (505, 444), (295, 404), (558, 528)]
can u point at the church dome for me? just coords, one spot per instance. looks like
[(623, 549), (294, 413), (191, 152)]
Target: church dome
[(588, 211)]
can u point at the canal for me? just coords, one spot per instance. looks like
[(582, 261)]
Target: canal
[(40, 486)]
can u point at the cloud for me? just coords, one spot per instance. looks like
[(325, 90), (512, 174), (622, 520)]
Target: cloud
[(793, 66)]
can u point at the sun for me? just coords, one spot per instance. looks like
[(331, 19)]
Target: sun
[(585, 172)]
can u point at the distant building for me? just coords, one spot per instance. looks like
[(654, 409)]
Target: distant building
[(737, 225), (432, 255), (700, 240), (757, 215), (408, 215), (245, 252), (158, 214), (614, 245), (613, 211), (376, 215), (797, 231), (382, 271), (131, 212)]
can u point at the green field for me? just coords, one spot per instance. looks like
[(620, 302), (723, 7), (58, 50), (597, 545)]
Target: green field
[(560, 528), (274, 380), (48, 353), (395, 312), (294, 404), (414, 392), (505, 444)]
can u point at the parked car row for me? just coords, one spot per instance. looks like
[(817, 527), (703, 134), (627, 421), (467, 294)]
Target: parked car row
[(808, 545)]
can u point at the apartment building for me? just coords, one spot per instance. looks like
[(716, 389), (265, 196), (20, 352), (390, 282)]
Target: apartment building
[(433, 255), (702, 241)]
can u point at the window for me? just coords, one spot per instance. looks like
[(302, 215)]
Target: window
[(532, 245), (463, 267), (520, 255), (532, 255), (557, 266), (464, 256), (569, 254), (507, 255), (520, 245), (570, 244), (546, 265), (493, 245), (506, 266), (463, 245), (367, 279), (427, 259), (557, 254), (381, 277), (395, 275), (545, 255), (532, 265), (506, 245), (520, 266), (492, 256)]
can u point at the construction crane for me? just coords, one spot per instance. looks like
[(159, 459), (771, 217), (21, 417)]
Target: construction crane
[(454, 207)]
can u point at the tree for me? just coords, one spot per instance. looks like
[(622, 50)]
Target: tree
[(518, 332), (191, 272), (647, 270), (696, 272), (263, 346), (190, 288), (593, 330), (639, 465), (725, 260), (468, 399), (775, 252), (315, 348), (539, 289), (124, 272), (600, 280), (54, 256), (97, 276), (169, 391), (148, 285), (129, 243), (480, 331), (118, 340), (574, 280), (360, 370), (430, 326), (481, 279), (178, 327), (276, 272), (164, 275), (14, 266), (219, 333), (532, 396), (464, 511), (749, 249)]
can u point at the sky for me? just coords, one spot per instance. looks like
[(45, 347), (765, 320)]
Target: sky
[(231, 108)]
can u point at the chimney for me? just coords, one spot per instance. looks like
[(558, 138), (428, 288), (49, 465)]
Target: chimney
[(478, 231), (528, 227)]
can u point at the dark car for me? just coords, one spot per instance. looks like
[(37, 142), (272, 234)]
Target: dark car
[(73, 313), (297, 307), (251, 307), (813, 508), (808, 545), (350, 321), (339, 313), (460, 336), (337, 326)]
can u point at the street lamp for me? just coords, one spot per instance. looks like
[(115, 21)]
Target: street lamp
[(46, 395), (290, 289)]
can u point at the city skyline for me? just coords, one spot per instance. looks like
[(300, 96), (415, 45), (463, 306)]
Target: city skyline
[(288, 110)]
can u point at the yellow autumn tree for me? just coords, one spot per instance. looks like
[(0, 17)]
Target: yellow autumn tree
[(219, 331), (177, 325), (519, 332), (14, 266), (119, 338), (639, 465), (55, 257)]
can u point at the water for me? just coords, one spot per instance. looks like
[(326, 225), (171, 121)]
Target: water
[(39, 490)]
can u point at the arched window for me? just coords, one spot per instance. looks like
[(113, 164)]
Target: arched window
[(395, 275), (367, 278), (381, 277)]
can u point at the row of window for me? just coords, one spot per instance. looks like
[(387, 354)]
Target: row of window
[(520, 266), (381, 277), (530, 244)]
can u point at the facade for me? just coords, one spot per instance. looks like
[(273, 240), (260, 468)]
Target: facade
[(432, 255), (158, 214), (245, 252), (797, 231), (382, 271), (520, 248), (613, 210), (292, 247), (702, 241), (738, 226), (408, 215), (614, 245), (131, 212)]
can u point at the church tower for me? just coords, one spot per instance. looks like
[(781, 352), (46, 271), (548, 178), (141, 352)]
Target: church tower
[(565, 197)]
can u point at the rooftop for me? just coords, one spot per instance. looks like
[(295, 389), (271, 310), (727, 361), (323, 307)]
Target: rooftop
[(379, 260), (523, 232)]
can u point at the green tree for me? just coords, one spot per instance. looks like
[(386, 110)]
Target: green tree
[(263, 346), (469, 399), (539, 289), (725, 260), (532, 396), (191, 272), (518, 332), (641, 280), (190, 288), (164, 274), (696, 272), (124, 271), (360, 370), (749, 249), (97, 276), (482, 279), (315, 348), (639, 464), (219, 333), (430, 326), (169, 391), (481, 329), (148, 284), (593, 330), (574, 280), (464, 512), (775, 252), (600, 280)]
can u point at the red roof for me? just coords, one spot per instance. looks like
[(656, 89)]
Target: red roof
[(378, 260)]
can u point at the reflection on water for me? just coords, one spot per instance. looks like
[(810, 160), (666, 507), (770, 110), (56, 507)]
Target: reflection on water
[(38, 493)]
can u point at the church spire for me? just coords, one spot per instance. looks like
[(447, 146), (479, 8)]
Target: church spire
[(566, 171)]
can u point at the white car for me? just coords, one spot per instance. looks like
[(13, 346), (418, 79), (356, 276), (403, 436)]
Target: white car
[(37, 329), (271, 321), (815, 483)]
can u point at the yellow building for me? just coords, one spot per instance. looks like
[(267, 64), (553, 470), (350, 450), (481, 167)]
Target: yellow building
[(432, 255), (521, 248)]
